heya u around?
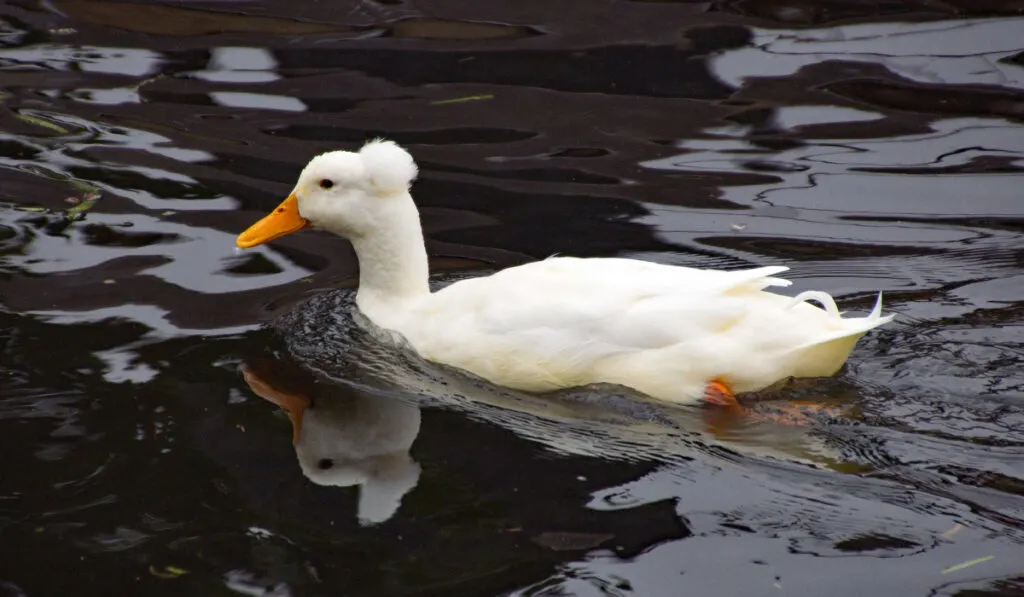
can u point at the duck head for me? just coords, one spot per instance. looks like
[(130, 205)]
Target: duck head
[(352, 194)]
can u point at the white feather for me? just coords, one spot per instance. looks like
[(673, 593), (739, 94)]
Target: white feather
[(390, 168)]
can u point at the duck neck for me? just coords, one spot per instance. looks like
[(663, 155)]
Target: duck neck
[(393, 266)]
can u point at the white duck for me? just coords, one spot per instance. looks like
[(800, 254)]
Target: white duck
[(674, 333)]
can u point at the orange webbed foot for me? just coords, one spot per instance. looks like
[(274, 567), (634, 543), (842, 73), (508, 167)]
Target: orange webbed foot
[(725, 412), (718, 393)]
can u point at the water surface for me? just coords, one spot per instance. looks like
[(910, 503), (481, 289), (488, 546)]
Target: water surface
[(868, 147)]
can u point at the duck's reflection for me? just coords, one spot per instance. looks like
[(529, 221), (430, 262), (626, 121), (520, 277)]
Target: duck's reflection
[(343, 438)]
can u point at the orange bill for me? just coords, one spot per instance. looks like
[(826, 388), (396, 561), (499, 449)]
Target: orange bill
[(283, 220)]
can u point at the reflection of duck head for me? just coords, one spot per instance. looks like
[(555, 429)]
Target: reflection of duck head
[(361, 440), (345, 438)]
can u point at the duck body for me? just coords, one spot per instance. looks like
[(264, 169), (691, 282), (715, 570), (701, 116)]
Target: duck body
[(666, 331), (663, 330)]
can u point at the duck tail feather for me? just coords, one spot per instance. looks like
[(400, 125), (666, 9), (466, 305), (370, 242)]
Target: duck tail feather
[(821, 297), (876, 312)]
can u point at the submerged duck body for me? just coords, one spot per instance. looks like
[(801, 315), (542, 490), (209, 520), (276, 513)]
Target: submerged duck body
[(670, 332)]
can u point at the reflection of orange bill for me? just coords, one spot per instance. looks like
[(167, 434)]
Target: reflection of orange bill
[(285, 219), (294, 405)]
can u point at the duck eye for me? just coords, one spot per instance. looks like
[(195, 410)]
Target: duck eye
[(326, 183)]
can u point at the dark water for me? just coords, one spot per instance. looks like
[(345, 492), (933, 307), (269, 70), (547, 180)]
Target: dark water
[(866, 145)]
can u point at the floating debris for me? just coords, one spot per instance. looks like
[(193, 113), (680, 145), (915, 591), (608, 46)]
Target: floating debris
[(78, 206), (967, 564), (167, 572), (42, 122), (956, 529), (82, 206), (459, 100), (82, 187)]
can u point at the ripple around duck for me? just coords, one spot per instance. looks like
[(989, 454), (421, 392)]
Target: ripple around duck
[(623, 427)]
